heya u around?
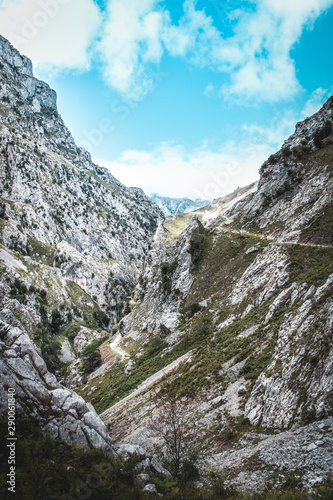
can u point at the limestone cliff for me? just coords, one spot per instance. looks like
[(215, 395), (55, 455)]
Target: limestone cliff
[(228, 309), (235, 317), (73, 241)]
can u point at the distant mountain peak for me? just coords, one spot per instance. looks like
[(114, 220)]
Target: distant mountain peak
[(175, 206)]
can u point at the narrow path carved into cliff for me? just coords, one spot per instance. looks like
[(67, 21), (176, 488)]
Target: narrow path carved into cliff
[(272, 239), (114, 345)]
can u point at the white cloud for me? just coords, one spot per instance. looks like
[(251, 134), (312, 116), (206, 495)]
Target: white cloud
[(254, 61), (264, 80), (283, 124), (55, 34), (300, 9), (265, 70), (315, 101), (171, 170), (256, 57), (131, 39), (276, 133), (209, 90)]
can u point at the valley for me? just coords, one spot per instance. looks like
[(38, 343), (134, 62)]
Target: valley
[(115, 319)]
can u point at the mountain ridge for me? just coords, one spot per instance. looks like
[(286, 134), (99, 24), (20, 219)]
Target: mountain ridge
[(227, 310), (246, 299), (171, 206), (73, 239)]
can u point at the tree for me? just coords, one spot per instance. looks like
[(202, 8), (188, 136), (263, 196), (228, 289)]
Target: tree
[(179, 448)]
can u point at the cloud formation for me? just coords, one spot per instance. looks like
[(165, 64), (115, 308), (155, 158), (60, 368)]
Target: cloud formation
[(251, 50), (131, 39), (55, 34), (283, 124), (255, 58), (171, 170)]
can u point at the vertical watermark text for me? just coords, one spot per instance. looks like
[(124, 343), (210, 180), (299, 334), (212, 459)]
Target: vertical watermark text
[(11, 440)]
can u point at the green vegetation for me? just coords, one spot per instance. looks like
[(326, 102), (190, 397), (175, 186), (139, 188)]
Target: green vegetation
[(3, 111), (320, 231), (208, 356), (101, 182), (167, 270), (41, 251), (210, 348), (71, 330), (56, 321), (91, 357), (10, 203), (48, 468), (257, 363), (177, 224), (44, 334), (93, 316), (321, 133), (18, 290), (196, 243), (220, 261), (312, 265), (115, 384)]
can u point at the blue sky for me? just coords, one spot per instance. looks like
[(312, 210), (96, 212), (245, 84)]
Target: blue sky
[(182, 98)]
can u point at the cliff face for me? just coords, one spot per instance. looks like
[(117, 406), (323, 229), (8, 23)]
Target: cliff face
[(60, 412), (235, 317), (228, 309), (72, 242), (56, 195), (295, 183)]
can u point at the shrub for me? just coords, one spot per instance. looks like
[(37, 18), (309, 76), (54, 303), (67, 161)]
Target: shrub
[(91, 356), (56, 321), (322, 133), (167, 270)]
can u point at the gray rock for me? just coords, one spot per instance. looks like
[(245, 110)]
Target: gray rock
[(69, 417), (164, 331), (144, 465), (150, 488)]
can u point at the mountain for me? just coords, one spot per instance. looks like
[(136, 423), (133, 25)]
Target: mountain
[(171, 206), (125, 330), (232, 316), (73, 240)]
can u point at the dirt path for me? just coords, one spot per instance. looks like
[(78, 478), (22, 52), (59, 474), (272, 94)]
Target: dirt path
[(145, 385), (114, 345), (272, 239)]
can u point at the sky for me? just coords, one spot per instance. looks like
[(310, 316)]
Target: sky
[(182, 98)]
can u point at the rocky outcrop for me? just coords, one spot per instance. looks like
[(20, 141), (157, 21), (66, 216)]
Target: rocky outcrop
[(58, 410), (293, 177), (166, 280), (261, 461), (96, 230), (73, 241), (245, 304), (234, 316)]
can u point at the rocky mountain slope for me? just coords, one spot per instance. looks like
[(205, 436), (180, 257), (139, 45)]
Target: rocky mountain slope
[(227, 311), (233, 317), (72, 243), (170, 206)]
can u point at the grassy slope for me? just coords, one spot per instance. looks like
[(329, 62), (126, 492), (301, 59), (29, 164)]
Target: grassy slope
[(223, 260), (219, 261)]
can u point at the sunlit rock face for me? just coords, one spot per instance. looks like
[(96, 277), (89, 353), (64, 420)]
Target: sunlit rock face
[(229, 308), (234, 310), (73, 243)]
